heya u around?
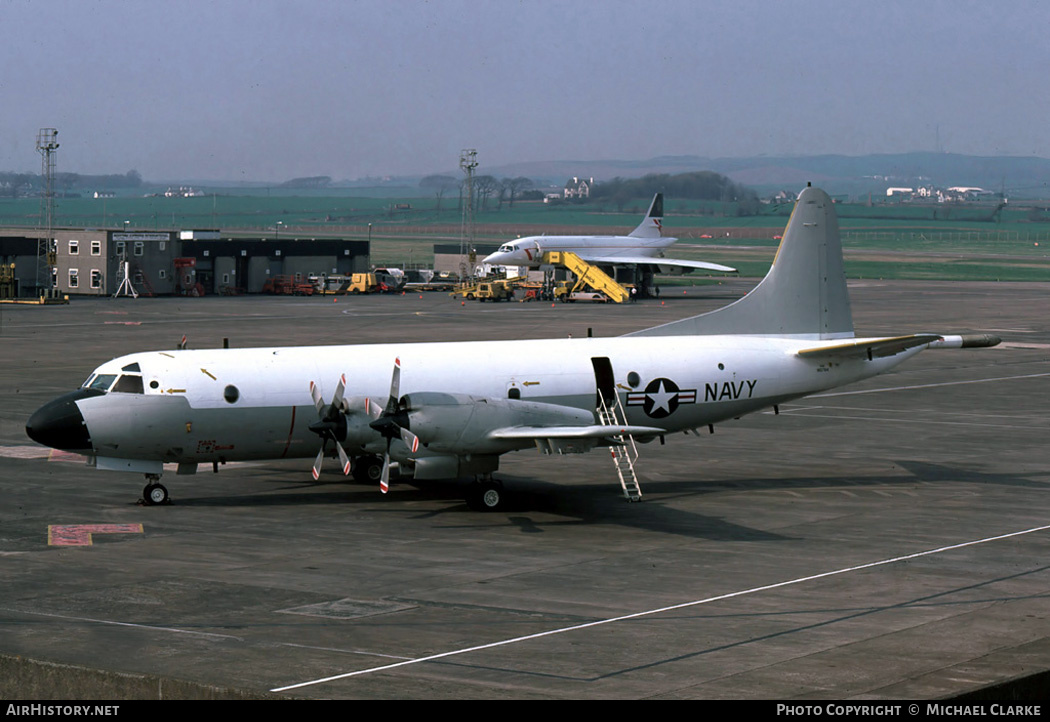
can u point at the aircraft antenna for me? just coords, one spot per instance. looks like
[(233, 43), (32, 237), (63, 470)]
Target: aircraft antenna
[(468, 161), (46, 250)]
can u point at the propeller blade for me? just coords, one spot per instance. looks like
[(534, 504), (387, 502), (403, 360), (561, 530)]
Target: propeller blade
[(410, 439), (384, 480), (395, 386), (337, 398), (373, 409), (317, 463), (343, 458), (315, 394)]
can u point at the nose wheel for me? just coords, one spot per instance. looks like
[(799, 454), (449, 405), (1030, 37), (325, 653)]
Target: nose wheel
[(154, 493)]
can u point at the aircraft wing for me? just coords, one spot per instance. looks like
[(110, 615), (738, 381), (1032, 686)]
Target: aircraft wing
[(622, 260), (595, 431)]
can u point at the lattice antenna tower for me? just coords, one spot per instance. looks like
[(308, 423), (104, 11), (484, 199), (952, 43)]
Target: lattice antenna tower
[(468, 161), (47, 146)]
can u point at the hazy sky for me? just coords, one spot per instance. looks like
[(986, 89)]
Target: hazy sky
[(272, 89)]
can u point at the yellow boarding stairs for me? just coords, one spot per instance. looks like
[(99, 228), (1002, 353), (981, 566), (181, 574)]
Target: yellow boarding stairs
[(588, 275)]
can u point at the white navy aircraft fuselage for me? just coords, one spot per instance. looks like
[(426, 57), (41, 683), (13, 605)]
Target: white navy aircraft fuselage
[(643, 246), (447, 410)]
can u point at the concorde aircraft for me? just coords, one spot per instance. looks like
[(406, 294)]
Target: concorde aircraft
[(449, 410), (644, 246)]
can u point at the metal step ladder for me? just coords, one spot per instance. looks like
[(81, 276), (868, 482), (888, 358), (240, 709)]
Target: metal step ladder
[(624, 451)]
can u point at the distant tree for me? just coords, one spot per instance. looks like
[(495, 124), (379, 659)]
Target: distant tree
[(315, 181), (485, 186), (439, 185), (515, 186)]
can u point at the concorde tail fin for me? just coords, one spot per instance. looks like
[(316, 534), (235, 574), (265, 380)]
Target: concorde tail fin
[(651, 226), (803, 295)]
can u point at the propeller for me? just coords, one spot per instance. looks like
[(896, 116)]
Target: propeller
[(391, 422), (331, 424)]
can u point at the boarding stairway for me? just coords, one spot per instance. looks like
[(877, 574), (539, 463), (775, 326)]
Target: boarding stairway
[(588, 275), (624, 451)]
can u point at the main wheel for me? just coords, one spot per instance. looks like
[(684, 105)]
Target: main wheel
[(367, 469), (486, 496), (154, 494)]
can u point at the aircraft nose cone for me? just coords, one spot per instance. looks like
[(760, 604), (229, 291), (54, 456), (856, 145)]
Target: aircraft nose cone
[(60, 425)]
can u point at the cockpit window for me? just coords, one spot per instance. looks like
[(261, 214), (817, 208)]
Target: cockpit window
[(128, 384), (134, 368), (102, 382), (506, 248)]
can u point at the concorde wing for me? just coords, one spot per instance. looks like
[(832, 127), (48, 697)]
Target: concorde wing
[(882, 347), (633, 260)]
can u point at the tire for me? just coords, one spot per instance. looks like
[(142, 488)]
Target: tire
[(486, 496), (155, 494), (367, 469)]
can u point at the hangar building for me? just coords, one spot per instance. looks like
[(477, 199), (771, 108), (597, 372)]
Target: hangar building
[(91, 261)]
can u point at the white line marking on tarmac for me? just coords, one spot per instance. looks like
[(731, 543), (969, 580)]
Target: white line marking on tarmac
[(927, 386), (124, 624), (345, 651), (903, 420), (651, 612)]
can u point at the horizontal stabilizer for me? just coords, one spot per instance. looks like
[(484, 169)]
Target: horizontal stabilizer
[(871, 347)]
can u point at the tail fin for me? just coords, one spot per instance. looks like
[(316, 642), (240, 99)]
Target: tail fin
[(652, 224), (804, 294)]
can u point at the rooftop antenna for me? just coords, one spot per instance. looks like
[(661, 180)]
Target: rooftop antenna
[(46, 251), (468, 161)]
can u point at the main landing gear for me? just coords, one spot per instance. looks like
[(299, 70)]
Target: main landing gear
[(154, 492), (368, 469), (486, 494)]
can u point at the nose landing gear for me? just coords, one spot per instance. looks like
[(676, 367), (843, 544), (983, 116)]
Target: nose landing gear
[(154, 493)]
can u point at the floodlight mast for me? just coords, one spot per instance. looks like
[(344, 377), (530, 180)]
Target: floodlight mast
[(46, 250), (468, 161)]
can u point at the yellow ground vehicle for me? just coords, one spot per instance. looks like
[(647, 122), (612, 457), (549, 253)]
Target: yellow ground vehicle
[(498, 290)]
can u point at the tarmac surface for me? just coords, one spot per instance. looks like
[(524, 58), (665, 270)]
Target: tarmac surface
[(887, 540)]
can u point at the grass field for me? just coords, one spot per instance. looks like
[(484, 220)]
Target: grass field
[(881, 241)]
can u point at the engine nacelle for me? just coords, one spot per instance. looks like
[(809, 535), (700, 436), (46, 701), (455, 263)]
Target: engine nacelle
[(454, 423), (429, 468)]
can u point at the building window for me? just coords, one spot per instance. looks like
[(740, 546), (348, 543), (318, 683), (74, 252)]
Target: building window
[(120, 248), (140, 248), (74, 278), (96, 248), (163, 274), (74, 248), (96, 278)]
